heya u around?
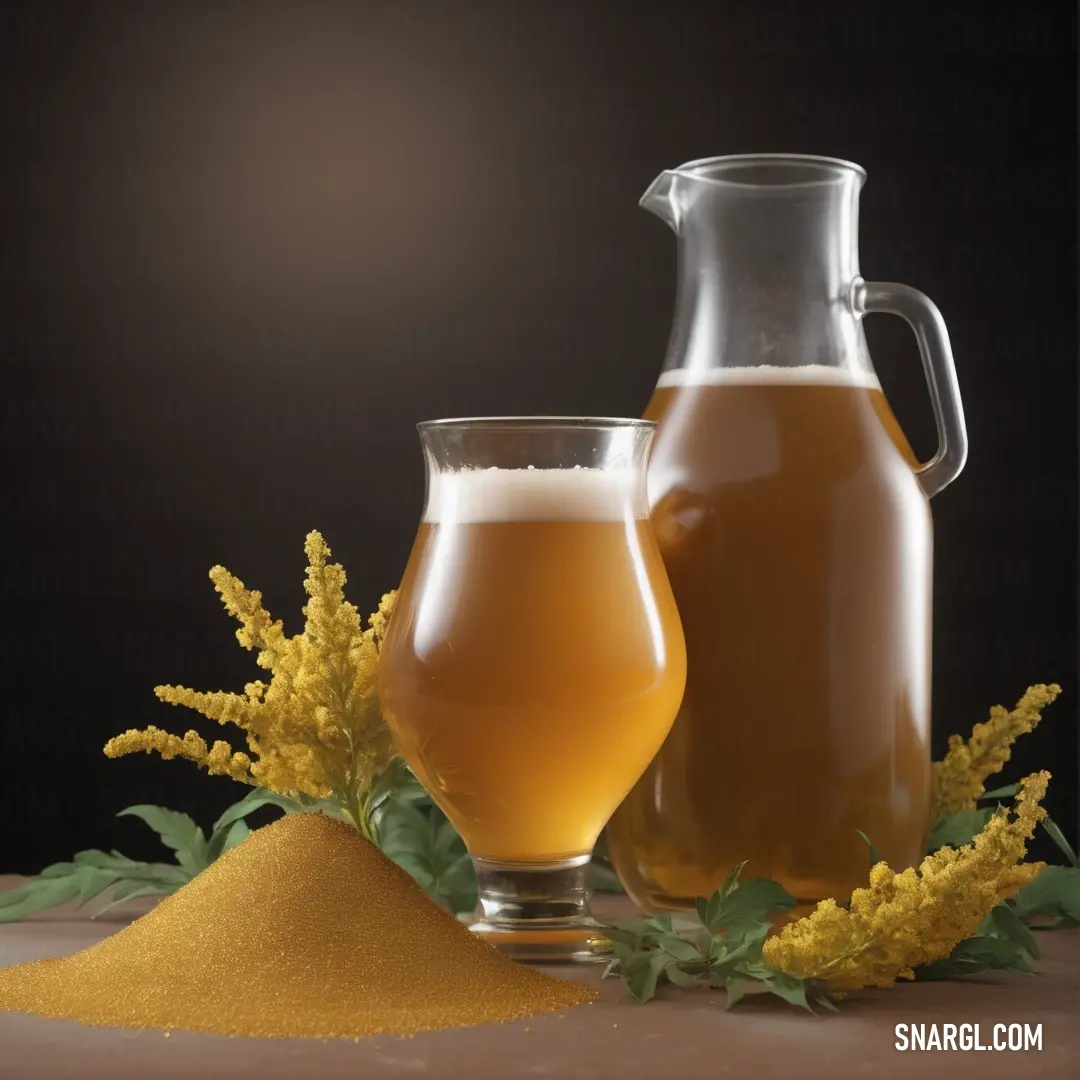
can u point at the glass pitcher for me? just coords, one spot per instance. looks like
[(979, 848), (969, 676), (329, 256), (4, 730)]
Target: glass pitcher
[(795, 526)]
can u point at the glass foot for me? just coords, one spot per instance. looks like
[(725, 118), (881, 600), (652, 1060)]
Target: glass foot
[(538, 913)]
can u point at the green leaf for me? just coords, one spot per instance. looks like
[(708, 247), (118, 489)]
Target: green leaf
[(754, 970), (678, 948), (641, 974), (641, 927), (394, 780), (789, 988), (458, 885), (618, 935), (738, 955), (745, 907), (427, 847), (94, 881), (649, 950), (751, 939), (133, 890), (980, 953), (959, 829), (412, 791), (455, 878), (124, 867), (1006, 792), (238, 832), (223, 839), (447, 847), (709, 910), (702, 906), (1007, 924), (404, 828), (1059, 838), (731, 882), (327, 807), (686, 980), (1054, 893), (120, 861), (818, 995), (418, 867), (125, 890), (177, 831), (57, 870), (102, 860), (38, 894), (395, 787), (713, 907), (875, 857), (174, 875), (254, 800), (734, 991), (89, 874)]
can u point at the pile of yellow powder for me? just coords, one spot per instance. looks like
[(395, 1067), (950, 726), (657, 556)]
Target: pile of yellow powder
[(303, 930)]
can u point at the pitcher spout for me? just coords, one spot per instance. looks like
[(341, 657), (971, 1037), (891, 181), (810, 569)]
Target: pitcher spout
[(767, 254), (660, 199)]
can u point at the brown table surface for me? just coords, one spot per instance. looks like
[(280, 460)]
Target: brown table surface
[(680, 1034)]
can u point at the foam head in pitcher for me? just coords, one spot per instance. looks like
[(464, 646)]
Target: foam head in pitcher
[(770, 375)]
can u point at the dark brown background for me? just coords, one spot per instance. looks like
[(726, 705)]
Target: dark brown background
[(247, 245)]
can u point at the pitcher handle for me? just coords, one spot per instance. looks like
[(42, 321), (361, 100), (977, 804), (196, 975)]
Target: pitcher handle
[(922, 315)]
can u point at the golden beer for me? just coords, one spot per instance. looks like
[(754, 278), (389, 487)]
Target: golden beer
[(798, 544), (535, 660)]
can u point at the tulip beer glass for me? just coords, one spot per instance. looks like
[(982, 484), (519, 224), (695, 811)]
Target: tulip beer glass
[(535, 660)]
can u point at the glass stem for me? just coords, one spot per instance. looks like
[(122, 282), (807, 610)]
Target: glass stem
[(537, 912), (523, 896)]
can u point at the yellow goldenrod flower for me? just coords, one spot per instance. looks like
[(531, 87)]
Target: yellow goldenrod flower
[(381, 619), (958, 780), (315, 728), (153, 740), (905, 920)]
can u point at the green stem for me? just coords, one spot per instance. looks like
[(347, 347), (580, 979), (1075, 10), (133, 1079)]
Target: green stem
[(356, 808), (857, 950)]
